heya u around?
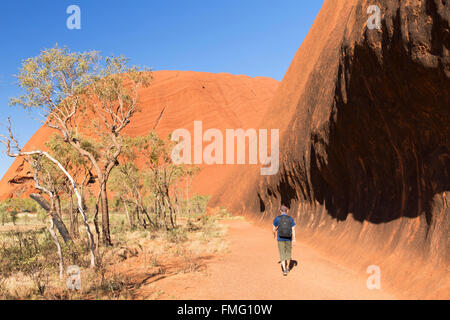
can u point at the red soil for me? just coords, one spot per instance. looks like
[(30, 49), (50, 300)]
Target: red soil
[(250, 272)]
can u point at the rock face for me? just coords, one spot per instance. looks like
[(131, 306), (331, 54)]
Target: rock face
[(174, 100), (364, 118)]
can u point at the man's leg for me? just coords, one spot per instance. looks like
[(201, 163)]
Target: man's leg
[(285, 269), (282, 251), (288, 255)]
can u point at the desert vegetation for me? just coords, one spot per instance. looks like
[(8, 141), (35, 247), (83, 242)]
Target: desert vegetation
[(100, 197), (30, 259)]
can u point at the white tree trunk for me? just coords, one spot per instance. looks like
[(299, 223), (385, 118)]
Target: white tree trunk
[(51, 229), (74, 187)]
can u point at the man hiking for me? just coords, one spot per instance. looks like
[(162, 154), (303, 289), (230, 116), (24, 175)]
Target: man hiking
[(284, 231)]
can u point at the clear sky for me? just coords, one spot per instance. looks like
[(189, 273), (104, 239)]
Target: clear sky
[(251, 37)]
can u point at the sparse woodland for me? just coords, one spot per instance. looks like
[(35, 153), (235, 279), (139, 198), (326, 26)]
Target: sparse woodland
[(100, 196)]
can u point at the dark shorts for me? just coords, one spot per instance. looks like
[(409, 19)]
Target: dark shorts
[(285, 250)]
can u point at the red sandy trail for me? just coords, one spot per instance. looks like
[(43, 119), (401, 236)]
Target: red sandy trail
[(250, 271)]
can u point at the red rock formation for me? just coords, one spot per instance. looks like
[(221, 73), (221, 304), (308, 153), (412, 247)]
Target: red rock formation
[(174, 100), (364, 118)]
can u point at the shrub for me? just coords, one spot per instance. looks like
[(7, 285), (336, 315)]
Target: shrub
[(4, 216), (27, 252), (13, 214), (176, 235)]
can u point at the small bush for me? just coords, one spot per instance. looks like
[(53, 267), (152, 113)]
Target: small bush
[(76, 253), (224, 213), (176, 235), (26, 251), (13, 214), (4, 217), (4, 292), (114, 287)]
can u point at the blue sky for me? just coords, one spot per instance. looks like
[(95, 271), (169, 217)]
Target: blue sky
[(251, 37)]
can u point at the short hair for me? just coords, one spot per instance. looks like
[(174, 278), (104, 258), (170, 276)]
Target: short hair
[(284, 209)]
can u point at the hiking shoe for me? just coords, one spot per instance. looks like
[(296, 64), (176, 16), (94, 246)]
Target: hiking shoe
[(285, 273)]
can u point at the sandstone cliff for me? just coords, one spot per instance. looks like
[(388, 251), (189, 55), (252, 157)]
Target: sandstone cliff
[(364, 118)]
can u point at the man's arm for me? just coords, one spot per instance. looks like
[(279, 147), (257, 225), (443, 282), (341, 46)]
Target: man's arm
[(293, 235), (274, 231)]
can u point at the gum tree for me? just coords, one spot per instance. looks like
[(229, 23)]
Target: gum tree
[(161, 175), (84, 96), (77, 165)]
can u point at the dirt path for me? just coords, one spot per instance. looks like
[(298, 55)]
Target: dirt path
[(250, 271)]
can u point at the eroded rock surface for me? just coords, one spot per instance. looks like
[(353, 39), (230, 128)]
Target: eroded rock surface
[(364, 118)]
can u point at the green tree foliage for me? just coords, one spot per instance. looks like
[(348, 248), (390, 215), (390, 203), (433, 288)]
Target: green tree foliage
[(19, 205), (85, 98), (155, 180)]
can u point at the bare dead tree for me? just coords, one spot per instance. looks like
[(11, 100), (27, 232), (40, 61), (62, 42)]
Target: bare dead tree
[(51, 230), (51, 227), (11, 144)]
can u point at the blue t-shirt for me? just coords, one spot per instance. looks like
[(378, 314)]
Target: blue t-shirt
[(276, 222)]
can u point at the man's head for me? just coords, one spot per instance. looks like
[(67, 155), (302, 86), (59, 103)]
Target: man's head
[(283, 209)]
